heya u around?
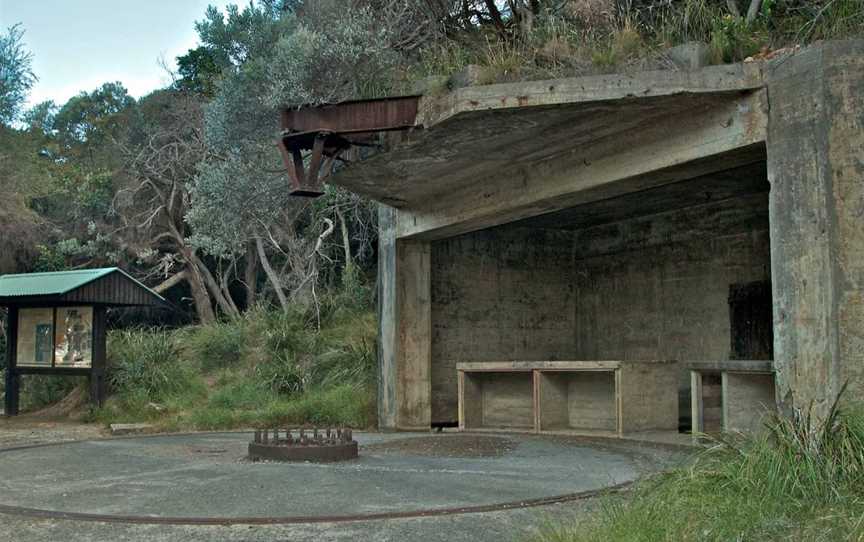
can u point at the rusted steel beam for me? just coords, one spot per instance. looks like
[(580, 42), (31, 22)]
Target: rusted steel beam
[(328, 130), (362, 116)]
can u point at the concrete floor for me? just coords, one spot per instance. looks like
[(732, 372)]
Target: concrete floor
[(206, 476)]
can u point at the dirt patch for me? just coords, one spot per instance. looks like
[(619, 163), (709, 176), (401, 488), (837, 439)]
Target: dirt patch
[(445, 446)]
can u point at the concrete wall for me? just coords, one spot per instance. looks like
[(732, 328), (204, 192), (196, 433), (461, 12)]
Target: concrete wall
[(815, 166), (658, 287), (648, 288), (748, 399), (499, 295)]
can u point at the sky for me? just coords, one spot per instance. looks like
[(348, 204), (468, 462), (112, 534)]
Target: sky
[(79, 44)]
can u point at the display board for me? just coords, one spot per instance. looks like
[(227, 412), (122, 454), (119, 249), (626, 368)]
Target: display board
[(35, 337), (55, 337), (73, 340)]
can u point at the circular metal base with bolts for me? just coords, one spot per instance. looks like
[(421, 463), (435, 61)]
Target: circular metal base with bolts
[(316, 454), (317, 446)]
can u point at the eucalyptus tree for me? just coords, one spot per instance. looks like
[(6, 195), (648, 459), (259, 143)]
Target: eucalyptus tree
[(162, 155), (16, 73)]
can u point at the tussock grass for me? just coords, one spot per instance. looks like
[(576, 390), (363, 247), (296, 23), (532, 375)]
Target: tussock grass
[(794, 482), (269, 367), (601, 36)]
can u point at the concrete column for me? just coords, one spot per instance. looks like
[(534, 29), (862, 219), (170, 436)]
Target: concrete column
[(816, 168), (405, 329), (387, 318)]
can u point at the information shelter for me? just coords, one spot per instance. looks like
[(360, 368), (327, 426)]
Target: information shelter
[(57, 324)]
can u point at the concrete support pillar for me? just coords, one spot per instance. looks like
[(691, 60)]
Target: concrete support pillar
[(405, 329), (816, 168)]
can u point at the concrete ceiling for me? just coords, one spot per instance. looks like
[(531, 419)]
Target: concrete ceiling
[(479, 133), (740, 181)]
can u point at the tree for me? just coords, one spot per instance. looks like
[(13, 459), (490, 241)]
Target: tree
[(308, 53), (162, 159), (16, 74), (41, 117), (91, 120), (199, 70)]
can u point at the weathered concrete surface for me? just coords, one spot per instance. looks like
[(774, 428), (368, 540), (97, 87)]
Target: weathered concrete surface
[(659, 150), (748, 400), (388, 319), (651, 287), (498, 295), (657, 287), (404, 316), (119, 429), (815, 165), (481, 527), (485, 527), (474, 133), (637, 287), (204, 476)]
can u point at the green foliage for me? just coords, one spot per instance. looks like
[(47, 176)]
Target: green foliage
[(91, 118), (148, 363), (67, 253), (268, 367), (332, 54), (791, 483), (16, 73), (41, 116), (231, 199), (199, 70), (733, 39), (214, 346)]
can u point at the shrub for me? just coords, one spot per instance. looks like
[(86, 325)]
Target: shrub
[(148, 363), (216, 345)]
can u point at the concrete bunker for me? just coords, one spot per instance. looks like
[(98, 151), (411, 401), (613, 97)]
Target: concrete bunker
[(653, 276), (558, 243)]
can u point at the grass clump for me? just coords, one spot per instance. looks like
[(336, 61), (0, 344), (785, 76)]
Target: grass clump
[(216, 345), (794, 482), (305, 365)]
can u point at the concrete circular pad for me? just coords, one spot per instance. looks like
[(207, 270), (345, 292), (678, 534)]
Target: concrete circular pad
[(205, 478)]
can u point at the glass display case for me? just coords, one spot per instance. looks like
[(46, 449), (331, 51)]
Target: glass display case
[(55, 337), (35, 337)]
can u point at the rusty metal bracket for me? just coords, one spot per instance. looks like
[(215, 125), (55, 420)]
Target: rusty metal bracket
[(324, 132), (324, 149)]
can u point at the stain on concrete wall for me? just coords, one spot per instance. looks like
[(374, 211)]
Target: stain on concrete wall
[(670, 298), (653, 287), (499, 295)]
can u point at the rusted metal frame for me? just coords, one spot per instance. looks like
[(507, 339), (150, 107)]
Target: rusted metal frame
[(354, 116), (309, 182), (316, 158)]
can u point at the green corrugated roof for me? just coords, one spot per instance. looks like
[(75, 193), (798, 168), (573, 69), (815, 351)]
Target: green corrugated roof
[(55, 283)]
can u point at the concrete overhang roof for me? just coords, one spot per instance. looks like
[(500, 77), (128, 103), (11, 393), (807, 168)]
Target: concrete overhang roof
[(477, 133)]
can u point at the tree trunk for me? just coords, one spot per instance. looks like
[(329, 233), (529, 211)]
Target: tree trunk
[(225, 289), (250, 276), (271, 274), (733, 7), (210, 283), (346, 240), (753, 12), (171, 282), (203, 304)]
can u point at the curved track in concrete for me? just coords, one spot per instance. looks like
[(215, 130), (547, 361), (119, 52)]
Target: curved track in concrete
[(203, 479)]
